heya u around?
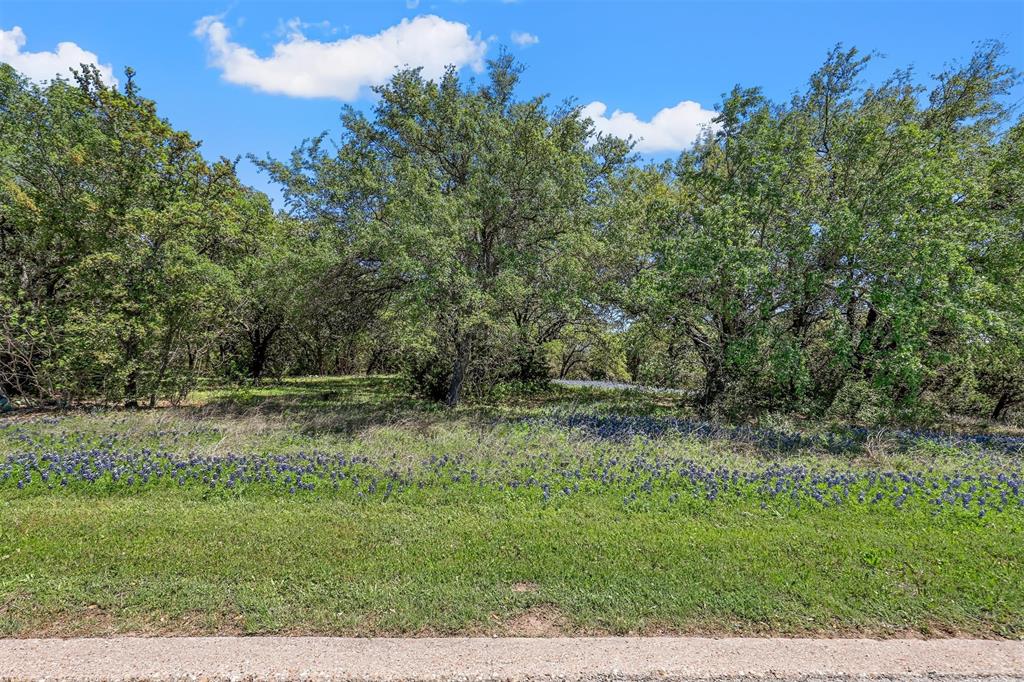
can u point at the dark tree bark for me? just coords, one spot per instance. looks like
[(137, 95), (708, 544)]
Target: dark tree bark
[(261, 343), (1002, 406), (131, 387), (714, 384), (458, 373), (131, 390)]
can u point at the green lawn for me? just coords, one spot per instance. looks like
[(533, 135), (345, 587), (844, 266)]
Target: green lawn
[(479, 556)]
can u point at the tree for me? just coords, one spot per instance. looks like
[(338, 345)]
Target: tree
[(830, 254), (998, 352), (118, 237), (475, 204)]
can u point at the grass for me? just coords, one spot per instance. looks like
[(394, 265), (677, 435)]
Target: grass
[(479, 556)]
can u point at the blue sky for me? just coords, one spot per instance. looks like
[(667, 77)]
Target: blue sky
[(219, 78)]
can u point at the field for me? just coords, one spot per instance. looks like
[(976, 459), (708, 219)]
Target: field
[(345, 506)]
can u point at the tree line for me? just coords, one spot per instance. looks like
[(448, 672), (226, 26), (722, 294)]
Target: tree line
[(856, 252)]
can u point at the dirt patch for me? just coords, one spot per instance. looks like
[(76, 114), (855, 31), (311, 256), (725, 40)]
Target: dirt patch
[(537, 621), (526, 587), (91, 621)]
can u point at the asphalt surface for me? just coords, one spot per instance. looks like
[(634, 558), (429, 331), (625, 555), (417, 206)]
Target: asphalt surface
[(603, 658), (582, 383)]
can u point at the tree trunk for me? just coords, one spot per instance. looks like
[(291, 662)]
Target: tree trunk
[(165, 361), (375, 361), (1002, 405), (458, 372), (131, 390), (131, 386), (569, 360), (258, 361), (260, 353), (714, 384)]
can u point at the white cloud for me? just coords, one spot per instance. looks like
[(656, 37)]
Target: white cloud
[(412, 4), (523, 39), (44, 66), (296, 26), (672, 129), (342, 69)]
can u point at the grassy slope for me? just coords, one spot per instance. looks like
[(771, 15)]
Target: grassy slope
[(487, 562)]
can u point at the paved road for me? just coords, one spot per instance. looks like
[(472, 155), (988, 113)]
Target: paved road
[(603, 659), (581, 383)]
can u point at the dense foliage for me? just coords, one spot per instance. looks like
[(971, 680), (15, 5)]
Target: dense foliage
[(477, 208), (120, 244), (855, 253)]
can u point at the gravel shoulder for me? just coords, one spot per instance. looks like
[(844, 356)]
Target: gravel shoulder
[(626, 658)]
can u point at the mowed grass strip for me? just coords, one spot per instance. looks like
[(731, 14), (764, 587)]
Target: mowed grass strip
[(166, 563)]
